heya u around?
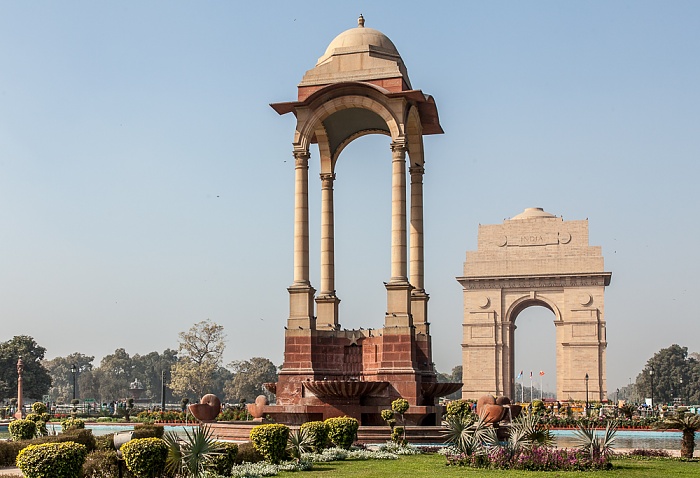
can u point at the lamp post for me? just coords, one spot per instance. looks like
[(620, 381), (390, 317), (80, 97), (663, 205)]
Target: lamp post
[(680, 391), (651, 375), (73, 370), (586, 393)]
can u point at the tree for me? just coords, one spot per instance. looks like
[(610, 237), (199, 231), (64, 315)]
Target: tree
[(201, 349), (114, 374), (149, 370), (62, 378), (36, 380), (248, 378), (669, 365)]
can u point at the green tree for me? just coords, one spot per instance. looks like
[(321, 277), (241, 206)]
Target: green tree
[(148, 369), (669, 365), (114, 374), (248, 378), (200, 349), (62, 378), (36, 380)]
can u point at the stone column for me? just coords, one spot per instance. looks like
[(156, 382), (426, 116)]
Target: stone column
[(327, 301), (327, 236), (301, 218), (398, 213), (417, 256), (301, 294), (20, 394), (398, 288)]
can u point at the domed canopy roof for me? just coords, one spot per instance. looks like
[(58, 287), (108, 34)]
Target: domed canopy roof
[(360, 54), (359, 39)]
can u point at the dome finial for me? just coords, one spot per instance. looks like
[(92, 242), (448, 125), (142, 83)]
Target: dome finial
[(361, 21)]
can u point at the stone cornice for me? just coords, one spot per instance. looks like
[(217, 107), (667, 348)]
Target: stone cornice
[(536, 281)]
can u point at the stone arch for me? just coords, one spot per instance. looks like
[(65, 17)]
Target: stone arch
[(526, 301), (535, 258)]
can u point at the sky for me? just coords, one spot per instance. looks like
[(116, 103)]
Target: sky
[(146, 185)]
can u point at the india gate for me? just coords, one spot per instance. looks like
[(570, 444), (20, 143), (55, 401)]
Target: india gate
[(534, 259)]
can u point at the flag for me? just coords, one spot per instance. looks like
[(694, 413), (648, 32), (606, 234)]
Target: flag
[(541, 373), (531, 374), (520, 375)]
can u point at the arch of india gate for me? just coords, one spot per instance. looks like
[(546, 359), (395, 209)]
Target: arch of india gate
[(359, 86), (534, 259)]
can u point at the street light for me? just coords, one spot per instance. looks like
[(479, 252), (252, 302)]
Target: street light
[(651, 375), (73, 370), (586, 393), (680, 391)]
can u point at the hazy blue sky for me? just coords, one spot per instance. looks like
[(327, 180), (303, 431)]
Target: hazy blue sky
[(145, 183)]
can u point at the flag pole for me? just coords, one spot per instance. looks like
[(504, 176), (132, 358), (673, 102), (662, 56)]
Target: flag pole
[(531, 397)]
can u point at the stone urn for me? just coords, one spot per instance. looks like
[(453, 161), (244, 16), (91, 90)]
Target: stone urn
[(207, 409)]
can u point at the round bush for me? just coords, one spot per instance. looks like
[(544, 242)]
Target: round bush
[(460, 408), (342, 431), (400, 406), (22, 429), (39, 408), (317, 433), (145, 457), (270, 441), (57, 460), (72, 424)]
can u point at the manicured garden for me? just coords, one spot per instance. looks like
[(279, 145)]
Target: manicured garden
[(475, 447)]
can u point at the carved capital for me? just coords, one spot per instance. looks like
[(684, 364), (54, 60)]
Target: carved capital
[(301, 159), (399, 149), (416, 171), (327, 180)]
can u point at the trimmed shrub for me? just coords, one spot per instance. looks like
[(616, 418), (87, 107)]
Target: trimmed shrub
[(342, 431), (72, 424), (221, 464), (248, 454), (317, 433), (400, 405), (270, 441), (22, 429), (39, 408), (460, 408), (145, 457), (101, 464), (148, 430), (9, 451), (57, 460)]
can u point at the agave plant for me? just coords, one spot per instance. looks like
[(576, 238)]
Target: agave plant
[(526, 432), (688, 424), (593, 445), (469, 435), (299, 442), (191, 456)]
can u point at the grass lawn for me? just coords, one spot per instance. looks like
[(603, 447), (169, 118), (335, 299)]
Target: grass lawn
[(433, 466)]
